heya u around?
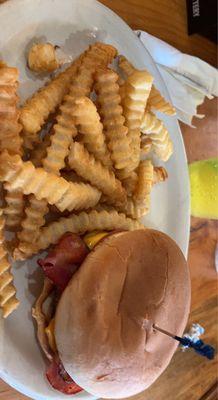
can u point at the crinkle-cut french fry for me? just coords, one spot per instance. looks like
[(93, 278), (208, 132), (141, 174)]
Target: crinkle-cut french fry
[(125, 65), (131, 208), (8, 101), (111, 112), (85, 222), (14, 208), (137, 87), (62, 134), (9, 75), (59, 145), (109, 50), (54, 162), (129, 183), (163, 149), (96, 173), (8, 300), (36, 210), (138, 208), (144, 183), (122, 91), (31, 224), (39, 151), (9, 127), (158, 133), (134, 210), (10, 135), (146, 145), (37, 109), (160, 174), (64, 129), (24, 251), (157, 102), (90, 128), (99, 54), (147, 177), (10, 138), (127, 69), (56, 190)]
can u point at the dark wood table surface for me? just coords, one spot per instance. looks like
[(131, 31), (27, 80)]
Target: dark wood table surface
[(188, 377)]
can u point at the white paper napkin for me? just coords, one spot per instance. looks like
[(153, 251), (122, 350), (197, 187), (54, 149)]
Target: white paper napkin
[(188, 79)]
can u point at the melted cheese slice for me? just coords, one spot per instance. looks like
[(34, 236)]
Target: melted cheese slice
[(91, 239), (50, 335)]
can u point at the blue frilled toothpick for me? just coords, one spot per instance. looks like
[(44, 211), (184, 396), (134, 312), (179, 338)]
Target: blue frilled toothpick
[(192, 341)]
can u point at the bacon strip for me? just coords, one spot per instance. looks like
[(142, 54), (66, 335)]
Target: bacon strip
[(63, 260)]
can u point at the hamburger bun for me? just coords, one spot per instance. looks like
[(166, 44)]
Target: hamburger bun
[(103, 324)]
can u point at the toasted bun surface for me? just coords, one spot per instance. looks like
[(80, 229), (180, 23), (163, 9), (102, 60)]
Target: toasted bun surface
[(103, 324)]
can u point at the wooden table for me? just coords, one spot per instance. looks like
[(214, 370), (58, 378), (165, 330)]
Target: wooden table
[(189, 377)]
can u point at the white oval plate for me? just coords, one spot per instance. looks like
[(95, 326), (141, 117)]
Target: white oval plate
[(74, 24)]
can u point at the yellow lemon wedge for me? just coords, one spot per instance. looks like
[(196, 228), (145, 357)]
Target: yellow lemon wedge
[(204, 188), (91, 239)]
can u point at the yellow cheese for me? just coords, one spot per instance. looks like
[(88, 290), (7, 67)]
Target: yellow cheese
[(50, 335), (91, 239)]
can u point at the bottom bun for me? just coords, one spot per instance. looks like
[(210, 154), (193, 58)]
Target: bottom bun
[(103, 324)]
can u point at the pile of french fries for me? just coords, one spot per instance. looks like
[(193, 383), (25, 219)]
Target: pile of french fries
[(86, 173)]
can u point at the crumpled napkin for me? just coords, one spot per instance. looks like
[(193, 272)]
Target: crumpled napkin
[(188, 79)]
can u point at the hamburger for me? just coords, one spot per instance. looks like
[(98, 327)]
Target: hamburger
[(102, 338)]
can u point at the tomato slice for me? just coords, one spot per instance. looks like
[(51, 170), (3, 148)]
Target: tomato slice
[(60, 379)]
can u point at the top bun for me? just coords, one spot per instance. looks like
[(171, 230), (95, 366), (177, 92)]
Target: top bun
[(103, 324)]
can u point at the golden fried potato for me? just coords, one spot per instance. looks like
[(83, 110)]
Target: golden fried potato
[(86, 222), (160, 175), (98, 55), (111, 112), (157, 102), (42, 58), (65, 129), (138, 86), (129, 183), (96, 173), (36, 110), (125, 66), (139, 204), (90, 128), (39, 152), (30, 226), (56, 190), (14, 208), (10, 138), (35, 210), (146, 145), (144, 183), (154, 128), (10, 129), (122, 91), (134, 210), (8, 300), (60, 141)]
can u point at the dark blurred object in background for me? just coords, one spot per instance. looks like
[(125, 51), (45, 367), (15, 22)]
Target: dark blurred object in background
[(202, 18)]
